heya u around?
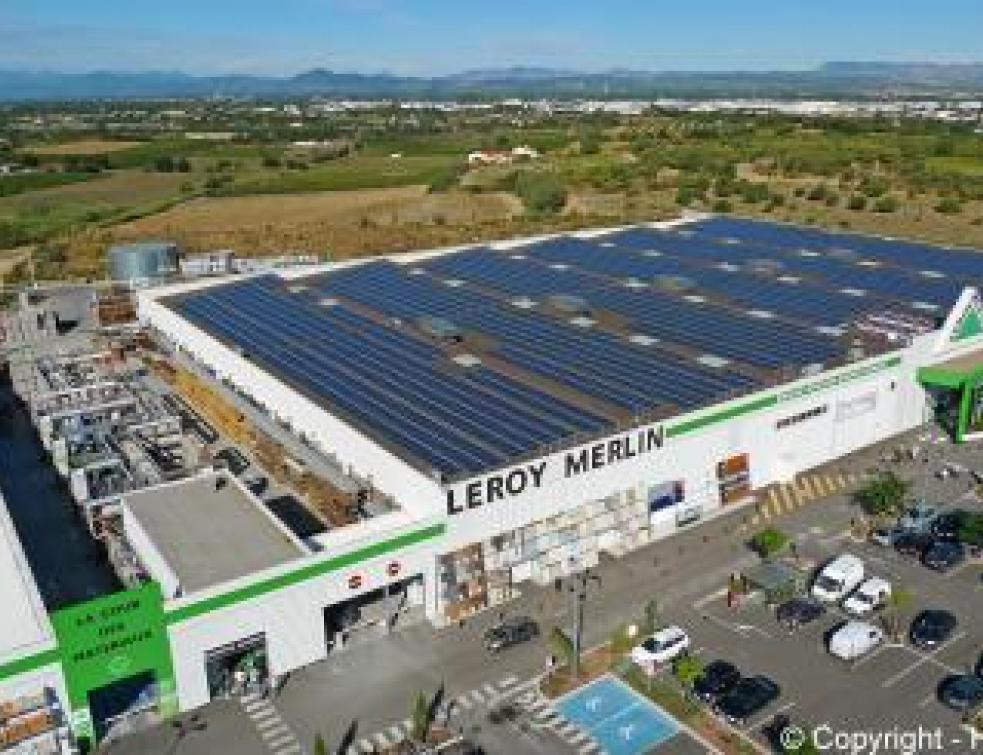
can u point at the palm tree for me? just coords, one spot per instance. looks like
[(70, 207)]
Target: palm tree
[(895, 612)]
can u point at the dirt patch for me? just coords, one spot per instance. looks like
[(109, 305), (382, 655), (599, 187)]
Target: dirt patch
[(84, 147), (337, 220)]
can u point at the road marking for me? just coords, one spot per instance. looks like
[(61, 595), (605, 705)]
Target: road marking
[(871, 655), (284, 740), (295, 747), (268, 723), (711, 597), (277, 730), (925, 658), (928, 699)]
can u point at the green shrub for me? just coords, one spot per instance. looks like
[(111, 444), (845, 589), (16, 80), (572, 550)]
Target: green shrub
[(857, 202), (949, 206), (768, 542), (722, 205), (541, 193), (886, 204)]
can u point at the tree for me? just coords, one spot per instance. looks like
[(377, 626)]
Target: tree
[(895, 612), (884, 496), (320, 748), (949, 206), (562, 645), (650, 620), (420, 718), (541, 192), (768, 542), (687, 669), (971, 530)]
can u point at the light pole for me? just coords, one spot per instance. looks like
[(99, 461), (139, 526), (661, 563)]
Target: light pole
[(578, 591)]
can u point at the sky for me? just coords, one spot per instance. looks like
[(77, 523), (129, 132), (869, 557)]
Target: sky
[(433, 37)]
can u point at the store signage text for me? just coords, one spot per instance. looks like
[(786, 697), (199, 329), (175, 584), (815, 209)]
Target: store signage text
[(576, 462)]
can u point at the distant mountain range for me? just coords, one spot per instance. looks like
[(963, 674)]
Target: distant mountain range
[(837, 79)]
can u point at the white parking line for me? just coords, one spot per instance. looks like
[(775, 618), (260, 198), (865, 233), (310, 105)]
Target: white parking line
[(281, 741), (275, 731), (924, 658), (871, 655)]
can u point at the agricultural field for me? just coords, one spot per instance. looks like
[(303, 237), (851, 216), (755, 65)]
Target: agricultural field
[(84, 147), (389, 180)]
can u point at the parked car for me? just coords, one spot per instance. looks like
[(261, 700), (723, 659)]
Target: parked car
[(232, 459), (838, 578), (750, 695), (886, 536), (257, 484), (944, 555), (947, 525), (919, 517), (798, 611), (510, 632), (662, 646), (962, 692), (718, 678), (854, 640), (932, 627), (870, 596), (913, 544)]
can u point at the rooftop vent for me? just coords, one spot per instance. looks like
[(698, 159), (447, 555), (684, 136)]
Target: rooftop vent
[(438, 327), (712, 360), (454, 282), (764, 266), (523, 303), (635, 283), (673, 282), (842, 254), (560, 266), (569, 303), (329, 301), (582, 322), (642, 340)]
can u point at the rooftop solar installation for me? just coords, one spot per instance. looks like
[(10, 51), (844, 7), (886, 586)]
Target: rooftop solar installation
[(473, 359)]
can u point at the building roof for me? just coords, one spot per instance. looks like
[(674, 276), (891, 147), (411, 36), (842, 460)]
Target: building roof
[(209, 533), (668, 320), (26, 629)]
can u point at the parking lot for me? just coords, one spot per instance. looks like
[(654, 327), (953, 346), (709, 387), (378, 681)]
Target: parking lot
[(895, 686)]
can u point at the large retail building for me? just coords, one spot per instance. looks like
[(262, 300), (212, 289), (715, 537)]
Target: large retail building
[(525, 406)]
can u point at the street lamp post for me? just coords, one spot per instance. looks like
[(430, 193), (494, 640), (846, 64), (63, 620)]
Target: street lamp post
[(578, 591)]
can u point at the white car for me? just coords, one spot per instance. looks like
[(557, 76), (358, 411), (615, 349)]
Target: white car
[(870, 596), (661, 647), (854, 640), (838, 578)]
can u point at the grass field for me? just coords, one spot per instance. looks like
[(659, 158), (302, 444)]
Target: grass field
[(84, 147), (339, 220), (964, 166), (357, 172)]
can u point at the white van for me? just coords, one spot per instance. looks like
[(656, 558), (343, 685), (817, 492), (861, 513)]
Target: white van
[(855, 639), (838, 578), (870, 596)]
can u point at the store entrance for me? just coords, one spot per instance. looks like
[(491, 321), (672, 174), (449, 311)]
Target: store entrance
[(945, 407), (380, 610), (124, 706), (237, 668)]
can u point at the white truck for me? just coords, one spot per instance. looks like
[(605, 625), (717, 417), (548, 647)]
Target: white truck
[(855, 639), (838, 578)]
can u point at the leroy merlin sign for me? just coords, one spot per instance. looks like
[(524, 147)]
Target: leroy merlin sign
[(112, 638)]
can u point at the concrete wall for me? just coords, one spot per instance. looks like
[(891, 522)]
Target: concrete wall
[(291, 618)]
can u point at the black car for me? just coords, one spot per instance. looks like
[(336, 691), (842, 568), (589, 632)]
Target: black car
[(963, 692), (718, 678), (913, 543), (233, 460), (749, 695), (511, 632), (944, 555), (947, 526), (797, 611), (932, 627)]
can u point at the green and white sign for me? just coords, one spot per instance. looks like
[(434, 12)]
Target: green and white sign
[(112, 638)]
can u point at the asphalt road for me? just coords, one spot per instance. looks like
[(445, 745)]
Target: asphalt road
[(366, 689)]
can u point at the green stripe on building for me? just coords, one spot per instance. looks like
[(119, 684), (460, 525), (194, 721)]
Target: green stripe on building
[(29, 663), (772, 399), (240, 595)]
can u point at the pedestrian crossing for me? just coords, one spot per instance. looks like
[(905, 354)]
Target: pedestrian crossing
[(485, 696), (785, 498), (544, 716), (277, 736)]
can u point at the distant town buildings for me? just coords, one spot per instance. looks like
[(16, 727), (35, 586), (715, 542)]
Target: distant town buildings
[(502, 157)]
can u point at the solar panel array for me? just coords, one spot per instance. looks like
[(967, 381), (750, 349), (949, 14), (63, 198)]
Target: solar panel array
[(575, 337)]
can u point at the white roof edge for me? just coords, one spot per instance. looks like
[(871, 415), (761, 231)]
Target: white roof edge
[(26, 626)]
